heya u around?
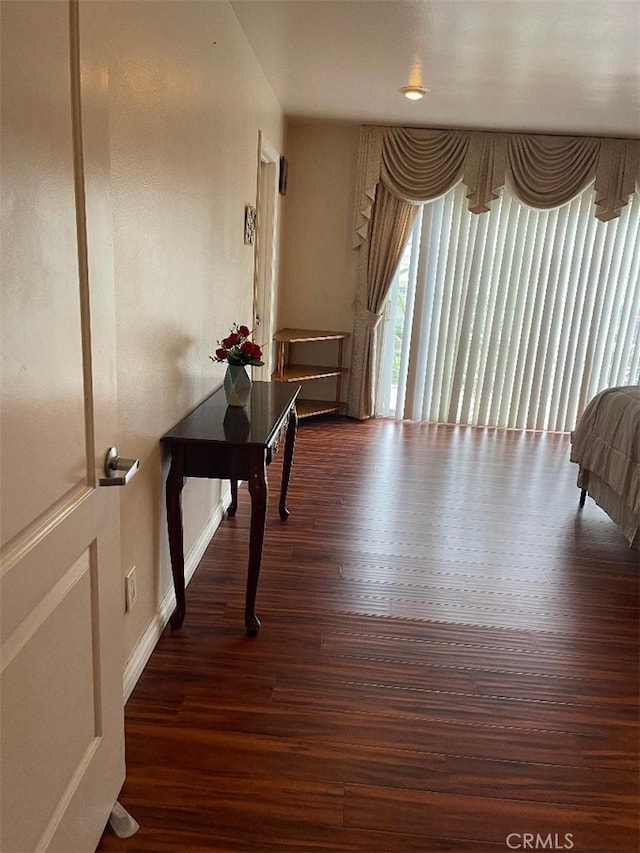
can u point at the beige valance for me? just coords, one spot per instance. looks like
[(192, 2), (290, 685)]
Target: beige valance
[(418, 165)]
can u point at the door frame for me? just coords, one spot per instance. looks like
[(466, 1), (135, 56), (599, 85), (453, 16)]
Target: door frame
[(266, 253)]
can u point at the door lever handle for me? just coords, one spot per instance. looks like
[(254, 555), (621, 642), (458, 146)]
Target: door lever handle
[(117, 469)]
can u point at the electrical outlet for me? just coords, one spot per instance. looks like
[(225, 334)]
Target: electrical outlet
[(130, 589)]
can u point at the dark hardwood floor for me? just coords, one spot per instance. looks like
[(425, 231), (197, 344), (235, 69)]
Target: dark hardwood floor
[(448, 661)]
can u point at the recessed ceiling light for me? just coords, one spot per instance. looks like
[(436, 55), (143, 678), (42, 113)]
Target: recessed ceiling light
[(414, 93)]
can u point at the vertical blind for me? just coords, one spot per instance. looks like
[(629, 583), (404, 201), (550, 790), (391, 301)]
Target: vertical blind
[(513, 319)]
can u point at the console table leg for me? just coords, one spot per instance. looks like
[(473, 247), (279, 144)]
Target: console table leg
[(175, 483), (233, 506), (259, 493), (288, 461)]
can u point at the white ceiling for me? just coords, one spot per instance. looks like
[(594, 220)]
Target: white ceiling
[(547, 65)]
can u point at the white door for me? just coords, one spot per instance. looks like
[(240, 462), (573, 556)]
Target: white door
[(62, 739), (266, 255)]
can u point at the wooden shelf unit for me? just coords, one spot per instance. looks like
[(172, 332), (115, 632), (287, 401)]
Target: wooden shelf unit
[(288, 372)]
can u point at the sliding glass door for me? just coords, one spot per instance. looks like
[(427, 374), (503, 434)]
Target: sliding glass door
[(514, 318)]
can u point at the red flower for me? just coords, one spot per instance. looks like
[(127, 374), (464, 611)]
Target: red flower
[(237, 349)]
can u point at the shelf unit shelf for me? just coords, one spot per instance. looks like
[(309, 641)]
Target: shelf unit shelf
[(300, 372), (290, 372)]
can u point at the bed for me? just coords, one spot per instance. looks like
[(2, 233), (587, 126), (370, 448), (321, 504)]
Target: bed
[(606, 447)]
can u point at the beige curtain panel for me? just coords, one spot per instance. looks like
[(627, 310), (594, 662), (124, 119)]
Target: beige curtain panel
[(416, 165), (391, 225)]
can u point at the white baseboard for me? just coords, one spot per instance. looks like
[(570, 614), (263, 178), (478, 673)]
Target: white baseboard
[(142, 652)]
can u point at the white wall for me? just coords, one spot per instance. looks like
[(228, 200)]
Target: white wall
[(187, 100), (318, 274), (318, 265)]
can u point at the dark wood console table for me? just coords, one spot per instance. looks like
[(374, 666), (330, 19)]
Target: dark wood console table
[(230, 443)]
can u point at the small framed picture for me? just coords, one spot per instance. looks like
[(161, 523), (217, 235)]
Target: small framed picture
[(249, 225), (283, 176)]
